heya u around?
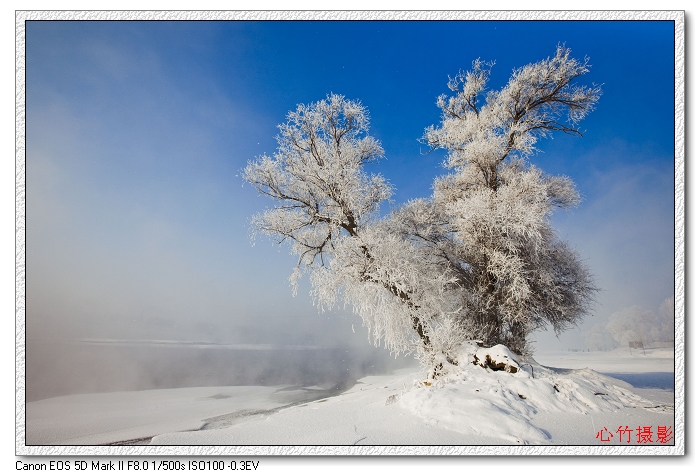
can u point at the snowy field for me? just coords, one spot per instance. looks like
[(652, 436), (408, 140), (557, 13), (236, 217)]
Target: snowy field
[(570, 401)]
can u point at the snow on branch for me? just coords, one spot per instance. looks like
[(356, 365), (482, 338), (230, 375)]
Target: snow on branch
[(539, 99), (479, 259)]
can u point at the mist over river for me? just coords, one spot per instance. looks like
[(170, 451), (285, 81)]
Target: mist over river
[(64, 367)]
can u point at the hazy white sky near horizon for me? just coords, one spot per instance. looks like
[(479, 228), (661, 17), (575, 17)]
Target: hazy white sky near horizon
[(137, 218)]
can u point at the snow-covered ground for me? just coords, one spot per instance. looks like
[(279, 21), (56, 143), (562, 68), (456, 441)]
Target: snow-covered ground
[(538, 405), (615, 361)]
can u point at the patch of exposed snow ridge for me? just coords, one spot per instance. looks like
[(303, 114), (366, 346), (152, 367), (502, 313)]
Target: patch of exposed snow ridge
[(473, 398)]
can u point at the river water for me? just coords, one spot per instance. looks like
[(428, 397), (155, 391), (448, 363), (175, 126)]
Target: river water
[(55, 368)]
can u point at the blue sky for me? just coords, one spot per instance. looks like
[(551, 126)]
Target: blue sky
[(136, 133)]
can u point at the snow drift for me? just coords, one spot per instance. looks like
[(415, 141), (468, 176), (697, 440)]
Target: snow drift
[(474, 398)]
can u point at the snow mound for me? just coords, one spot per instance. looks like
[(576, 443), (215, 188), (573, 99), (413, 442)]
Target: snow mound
[(498, 357), (473, 398)]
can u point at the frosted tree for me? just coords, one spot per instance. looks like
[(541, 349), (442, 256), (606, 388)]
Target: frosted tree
[(599, 338), (632, 324), (665, 325), (326, 205), (317, 178), (637, 324), (477, 260), (493, 209)]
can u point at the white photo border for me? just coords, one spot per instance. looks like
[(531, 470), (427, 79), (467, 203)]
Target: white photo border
[(20, 193)]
